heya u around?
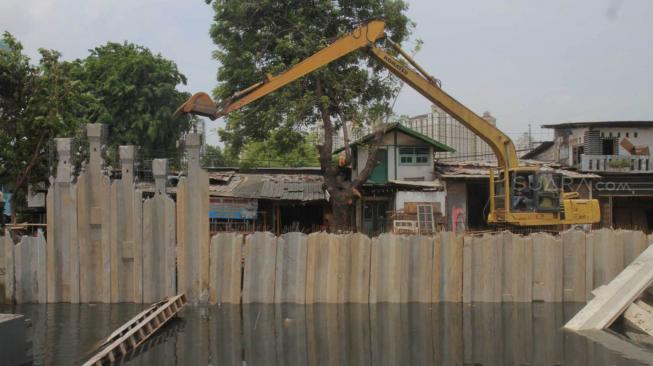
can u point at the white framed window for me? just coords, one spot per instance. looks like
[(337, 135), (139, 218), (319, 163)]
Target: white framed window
[(414, 155)]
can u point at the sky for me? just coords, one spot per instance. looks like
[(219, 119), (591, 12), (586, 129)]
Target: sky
[(527, 62)]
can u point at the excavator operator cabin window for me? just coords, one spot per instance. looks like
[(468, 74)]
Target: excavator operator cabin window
[(522, 191), (547, 192)]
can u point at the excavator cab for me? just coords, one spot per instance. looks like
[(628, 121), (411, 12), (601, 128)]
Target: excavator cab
[(535, 191), (533, 197)]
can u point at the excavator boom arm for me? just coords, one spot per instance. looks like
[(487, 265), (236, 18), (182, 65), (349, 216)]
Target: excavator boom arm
[(361, 37), (364, 36), (500, 143)]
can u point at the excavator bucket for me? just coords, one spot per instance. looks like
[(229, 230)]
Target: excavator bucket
[(200, 104)]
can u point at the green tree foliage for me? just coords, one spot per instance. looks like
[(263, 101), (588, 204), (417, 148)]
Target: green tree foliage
[(136, 96), (122, 85), (37, 103), (259, 37), (214, 157), (256, 38), (271, 153)]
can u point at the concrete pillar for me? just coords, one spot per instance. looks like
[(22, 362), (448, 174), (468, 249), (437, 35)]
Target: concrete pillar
[(64, 167), (62, 242), (160, 173), (126, 233), (159, 234), (193, 226), (127, 163), (93, 222)]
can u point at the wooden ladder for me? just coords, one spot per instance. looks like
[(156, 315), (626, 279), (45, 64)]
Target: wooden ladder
[(136, 331)]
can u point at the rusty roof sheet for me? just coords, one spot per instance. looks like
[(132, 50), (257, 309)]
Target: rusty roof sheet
[(480, 169), (286, 187)]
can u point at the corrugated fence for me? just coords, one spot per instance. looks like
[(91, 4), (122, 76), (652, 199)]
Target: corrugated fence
[(106, 244), (352, 268)]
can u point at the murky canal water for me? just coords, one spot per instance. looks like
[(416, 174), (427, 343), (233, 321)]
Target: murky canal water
[(455, 334)]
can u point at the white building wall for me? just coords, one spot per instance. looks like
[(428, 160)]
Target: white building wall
[(431, 197), (403, 172)]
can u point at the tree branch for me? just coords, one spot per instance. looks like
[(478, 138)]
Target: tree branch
[(371, 162)]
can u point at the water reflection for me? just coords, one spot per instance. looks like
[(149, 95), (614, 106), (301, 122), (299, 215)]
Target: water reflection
[(384, 334)]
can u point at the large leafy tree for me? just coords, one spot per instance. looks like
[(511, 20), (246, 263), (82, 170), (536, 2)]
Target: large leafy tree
[(122, 85), (37, 103), (136, 96), (268, 36)]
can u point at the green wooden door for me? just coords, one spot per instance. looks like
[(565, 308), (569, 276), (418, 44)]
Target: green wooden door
[(380, 172)]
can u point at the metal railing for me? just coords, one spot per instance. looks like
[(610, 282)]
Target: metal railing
[(617, 163)]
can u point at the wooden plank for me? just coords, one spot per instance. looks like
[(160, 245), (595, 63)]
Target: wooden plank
[(601, 311), (547, 268), (126, 339), (260, 261), (226, 266), (574, 270), (619, 345), (637, 317), (385, 271), (290, 282)]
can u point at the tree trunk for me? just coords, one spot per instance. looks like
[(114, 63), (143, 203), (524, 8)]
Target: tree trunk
[(342, 193)]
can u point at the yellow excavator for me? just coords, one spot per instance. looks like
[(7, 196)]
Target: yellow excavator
[(519, 196)]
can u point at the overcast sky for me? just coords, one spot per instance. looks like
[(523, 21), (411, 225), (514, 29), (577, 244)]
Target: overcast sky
[(525, 61)]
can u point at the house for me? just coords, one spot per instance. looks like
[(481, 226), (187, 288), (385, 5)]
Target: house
[(402, 180), (620, 153), (279, 200), (467, 189)]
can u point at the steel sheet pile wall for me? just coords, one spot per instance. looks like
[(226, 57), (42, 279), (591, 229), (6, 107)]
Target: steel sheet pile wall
[(25, 269), (504, 267), (105, 244), (193, 226), (96, 233), (159, 237), (62, 245), (126, 234)]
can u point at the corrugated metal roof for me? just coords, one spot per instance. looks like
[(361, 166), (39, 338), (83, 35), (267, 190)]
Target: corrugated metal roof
[(480, 169), (286, 187)]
